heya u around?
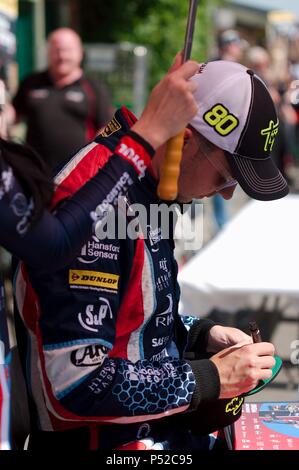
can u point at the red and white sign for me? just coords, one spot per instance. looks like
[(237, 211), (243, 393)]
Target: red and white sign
[(268, 426)]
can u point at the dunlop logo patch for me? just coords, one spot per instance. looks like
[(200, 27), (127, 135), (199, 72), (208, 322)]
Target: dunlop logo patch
[(93, 279)]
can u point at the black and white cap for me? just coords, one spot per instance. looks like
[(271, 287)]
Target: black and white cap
[(236, 113)]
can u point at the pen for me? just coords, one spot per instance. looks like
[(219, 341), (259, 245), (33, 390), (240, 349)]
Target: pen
[(255, 332)]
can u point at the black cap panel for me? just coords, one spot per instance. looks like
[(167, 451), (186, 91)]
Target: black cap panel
[(262, 124)]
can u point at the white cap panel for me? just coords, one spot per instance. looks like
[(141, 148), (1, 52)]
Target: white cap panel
[(228, 84)]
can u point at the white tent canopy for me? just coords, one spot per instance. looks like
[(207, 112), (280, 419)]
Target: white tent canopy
[(269, 5), (256, 255)]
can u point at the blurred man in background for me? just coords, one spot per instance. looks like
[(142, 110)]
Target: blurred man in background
[(62, 107), (231, 46)]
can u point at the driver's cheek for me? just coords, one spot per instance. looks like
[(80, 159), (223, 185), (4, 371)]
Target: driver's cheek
[(227, 193)]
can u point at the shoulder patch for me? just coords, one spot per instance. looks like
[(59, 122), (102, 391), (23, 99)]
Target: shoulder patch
[(112, 127)]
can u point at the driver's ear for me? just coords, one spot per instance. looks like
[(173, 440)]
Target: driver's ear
[(187, 135)]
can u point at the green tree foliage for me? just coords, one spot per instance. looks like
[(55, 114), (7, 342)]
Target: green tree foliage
[(111, 21), (163, 30), (157, 24)]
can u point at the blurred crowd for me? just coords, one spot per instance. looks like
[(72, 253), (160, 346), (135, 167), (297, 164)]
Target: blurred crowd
[(283, 85)]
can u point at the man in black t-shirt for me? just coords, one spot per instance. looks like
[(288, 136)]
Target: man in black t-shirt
[(62, 107)]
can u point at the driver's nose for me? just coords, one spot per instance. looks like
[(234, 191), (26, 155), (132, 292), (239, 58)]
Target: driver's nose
[(227, 193)]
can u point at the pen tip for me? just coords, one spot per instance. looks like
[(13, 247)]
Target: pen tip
[(253, 326)]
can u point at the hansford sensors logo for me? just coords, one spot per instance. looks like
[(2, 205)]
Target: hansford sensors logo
[(94, 250)]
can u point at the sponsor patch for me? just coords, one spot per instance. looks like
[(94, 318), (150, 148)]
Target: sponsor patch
[(160, 355), (95, 250), (112, 198), (112, 127), (130, 154), (234, 405), (163, 280), (270, 133), (104, 379), (164, 319), (93, 279), (157, 342), (154, 236), (94, 316), (89, 356)]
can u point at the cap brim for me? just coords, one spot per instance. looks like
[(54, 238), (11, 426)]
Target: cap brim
[(260, 179)]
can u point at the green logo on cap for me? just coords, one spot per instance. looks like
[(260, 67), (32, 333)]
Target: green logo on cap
[(270, 134)]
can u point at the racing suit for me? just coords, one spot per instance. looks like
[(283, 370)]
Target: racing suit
[(106, 343), (48, 244)]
